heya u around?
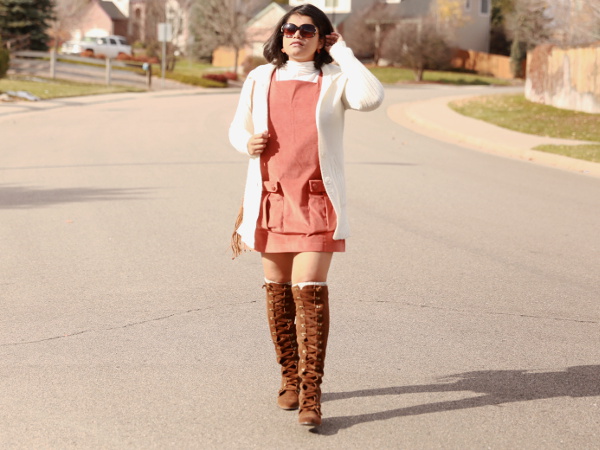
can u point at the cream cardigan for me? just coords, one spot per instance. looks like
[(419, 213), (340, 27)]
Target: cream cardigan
[(347, 86)]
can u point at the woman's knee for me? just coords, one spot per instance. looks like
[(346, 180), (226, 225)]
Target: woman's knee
[(278, 267), (313, 266)]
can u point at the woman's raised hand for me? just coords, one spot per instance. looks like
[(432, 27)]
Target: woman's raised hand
[(257, 143), (331, 39)]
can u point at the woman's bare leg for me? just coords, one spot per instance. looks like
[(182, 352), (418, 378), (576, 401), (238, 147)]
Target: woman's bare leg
[(278, 266), (311, 266)]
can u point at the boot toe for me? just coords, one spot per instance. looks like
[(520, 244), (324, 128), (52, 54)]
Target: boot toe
[(288, 400), (309, 418)]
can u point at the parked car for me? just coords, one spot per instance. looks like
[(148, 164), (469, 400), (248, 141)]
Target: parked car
[(109, 46)]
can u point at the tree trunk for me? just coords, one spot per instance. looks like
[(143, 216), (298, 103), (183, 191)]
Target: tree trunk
[(419, 74), (377, 53), (236, 60)]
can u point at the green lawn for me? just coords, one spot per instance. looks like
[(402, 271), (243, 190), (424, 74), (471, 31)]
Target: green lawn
[(48, 88), (514, 112), (586, 152), (392, 75)]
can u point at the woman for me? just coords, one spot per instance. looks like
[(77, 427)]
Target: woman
[(290, 122)]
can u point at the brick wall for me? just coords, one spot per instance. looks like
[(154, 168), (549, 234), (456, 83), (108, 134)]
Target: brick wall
[(95, 19)]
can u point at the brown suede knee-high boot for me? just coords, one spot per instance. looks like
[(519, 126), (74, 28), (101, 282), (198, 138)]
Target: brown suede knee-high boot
[(312, 328), (281, 313)]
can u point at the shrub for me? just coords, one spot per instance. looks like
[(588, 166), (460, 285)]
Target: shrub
[(191, 79), (231, 76), (252, 62), (418, 48), (124, 57), (221, 78)]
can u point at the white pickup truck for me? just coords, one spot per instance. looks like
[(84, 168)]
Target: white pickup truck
[(109, 46)]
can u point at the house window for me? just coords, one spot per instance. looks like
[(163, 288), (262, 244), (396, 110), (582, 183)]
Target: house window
[(331, 3), (485, 7)]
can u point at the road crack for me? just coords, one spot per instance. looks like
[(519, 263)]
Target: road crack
[(489, 313), (121, 327)]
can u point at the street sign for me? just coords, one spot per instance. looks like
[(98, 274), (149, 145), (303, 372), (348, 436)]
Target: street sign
[(165, 32)]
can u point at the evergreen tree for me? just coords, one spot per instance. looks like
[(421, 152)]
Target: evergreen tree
[(27, 17)]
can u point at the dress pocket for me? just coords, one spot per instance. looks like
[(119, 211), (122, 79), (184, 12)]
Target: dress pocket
[(272, 206), (320, 210)]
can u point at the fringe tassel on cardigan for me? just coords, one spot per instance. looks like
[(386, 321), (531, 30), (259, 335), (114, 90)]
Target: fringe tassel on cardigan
[(237, 246)]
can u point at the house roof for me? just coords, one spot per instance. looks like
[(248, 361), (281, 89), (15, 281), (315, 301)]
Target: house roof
[(112, 11), (404, 9), (271, 6)]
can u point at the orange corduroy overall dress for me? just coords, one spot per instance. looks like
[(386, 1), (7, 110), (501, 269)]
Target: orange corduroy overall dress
[(296, 214)]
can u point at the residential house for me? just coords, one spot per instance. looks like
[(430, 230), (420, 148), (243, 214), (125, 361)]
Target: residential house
[(258, 30), (101, 18), (472, 35), (144, 18)]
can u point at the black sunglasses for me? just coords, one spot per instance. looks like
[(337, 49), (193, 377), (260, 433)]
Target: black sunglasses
[(307, 30)]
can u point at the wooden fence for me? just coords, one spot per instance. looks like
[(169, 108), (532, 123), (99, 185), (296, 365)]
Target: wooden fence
[(16, 43), (77, 68), (483, 63), (567, 78)]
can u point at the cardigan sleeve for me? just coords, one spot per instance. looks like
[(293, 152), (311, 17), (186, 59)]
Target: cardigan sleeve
[(363, 91), (242, 128)]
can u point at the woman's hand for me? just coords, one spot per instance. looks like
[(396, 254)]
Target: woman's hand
[(331, 39), (257, 143)]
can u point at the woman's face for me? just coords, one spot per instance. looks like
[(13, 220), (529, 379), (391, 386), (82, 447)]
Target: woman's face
[(300, 49)]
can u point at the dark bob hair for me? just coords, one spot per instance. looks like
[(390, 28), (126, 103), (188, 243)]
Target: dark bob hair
[(272, 48)]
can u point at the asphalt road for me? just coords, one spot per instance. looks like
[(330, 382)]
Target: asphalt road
[(465, 311)]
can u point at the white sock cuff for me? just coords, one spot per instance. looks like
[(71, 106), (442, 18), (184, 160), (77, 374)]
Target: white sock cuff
[(276, 282), (311, 283)]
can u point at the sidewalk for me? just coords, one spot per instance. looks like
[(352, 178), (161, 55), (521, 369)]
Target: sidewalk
[(435, 118)]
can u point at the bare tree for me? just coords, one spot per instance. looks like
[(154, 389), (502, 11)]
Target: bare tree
[(171, 12), (529, 24), (576, 23), (417, 45), (222, 23), (359, 31), (67, 15)]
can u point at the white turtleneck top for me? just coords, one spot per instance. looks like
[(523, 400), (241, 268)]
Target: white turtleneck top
[(300, 71)]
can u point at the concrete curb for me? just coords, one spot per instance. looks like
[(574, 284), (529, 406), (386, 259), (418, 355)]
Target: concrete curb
[(435, 118)]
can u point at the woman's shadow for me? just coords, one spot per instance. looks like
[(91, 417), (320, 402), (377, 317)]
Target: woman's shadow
[(496, 386)]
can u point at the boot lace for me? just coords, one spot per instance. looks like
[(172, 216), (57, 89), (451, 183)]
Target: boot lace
[(311, 315), (281, 321)]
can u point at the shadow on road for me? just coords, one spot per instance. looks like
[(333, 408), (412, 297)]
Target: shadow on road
[(17, 197), (496, 386)]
